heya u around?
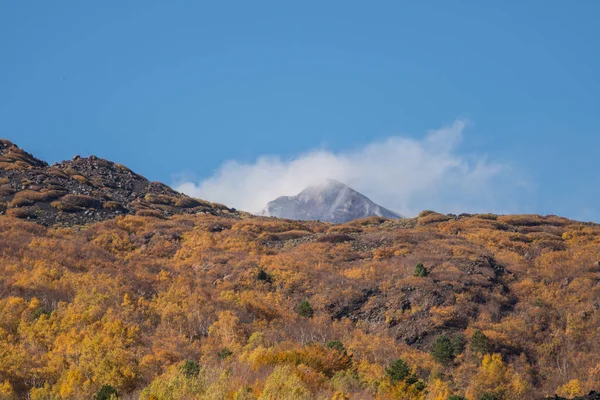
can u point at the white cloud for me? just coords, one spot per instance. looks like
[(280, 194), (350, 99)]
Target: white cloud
[(402, 174)]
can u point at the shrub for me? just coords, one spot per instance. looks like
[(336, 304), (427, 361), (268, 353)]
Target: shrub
[(488, 396), (288, 235), (6, 190), (456, 397), (21, 202), (38, 312), (80, 179), (480, 344), (398, 370), (107, 392), (113, 206), (150, 213), (420, 270), (159, 199), (335, 238), (420, 386), (30, 197), (24, 212), (262, 276), (190, 368), (412, 379), (187, 202), (56, 172), (442, 350), (336, 345), (76, 202), (430, 217), (224, 353), (304, 309)]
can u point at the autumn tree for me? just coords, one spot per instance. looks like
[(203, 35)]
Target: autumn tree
[(284, 384)]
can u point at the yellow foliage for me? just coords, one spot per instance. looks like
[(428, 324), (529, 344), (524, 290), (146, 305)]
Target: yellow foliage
[(570, 389), (6, 391), (284, 384), (437, 390), (125, 302)]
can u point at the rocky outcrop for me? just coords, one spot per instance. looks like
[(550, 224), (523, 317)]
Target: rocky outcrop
[(85, 190)]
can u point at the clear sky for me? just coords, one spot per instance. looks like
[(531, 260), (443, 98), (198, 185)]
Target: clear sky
[(180, 87)]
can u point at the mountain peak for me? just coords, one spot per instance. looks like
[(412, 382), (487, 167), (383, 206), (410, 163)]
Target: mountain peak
[(329, 200)]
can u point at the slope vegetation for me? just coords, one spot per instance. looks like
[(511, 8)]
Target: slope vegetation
[(201, 306)]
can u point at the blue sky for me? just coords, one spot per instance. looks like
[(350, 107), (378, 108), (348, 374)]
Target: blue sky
[(172, 88)]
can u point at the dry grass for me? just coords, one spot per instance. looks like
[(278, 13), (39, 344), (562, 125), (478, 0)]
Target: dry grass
[(56, 172), (71, 171), (113, 206), (150, 213), (159, 199), (335, 238), (492, 217), (24, 212), (18, 156), (6, 191), (30, 197), (431, 217), (81, 179), (344, 229), (76, 202), (9, 166), (282, 236), (533, 220), (188, 202)]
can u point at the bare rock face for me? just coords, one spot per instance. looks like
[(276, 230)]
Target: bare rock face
[(85, 190), (331, 201)]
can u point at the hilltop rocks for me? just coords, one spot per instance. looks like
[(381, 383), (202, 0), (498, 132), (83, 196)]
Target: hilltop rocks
[(84, 190)]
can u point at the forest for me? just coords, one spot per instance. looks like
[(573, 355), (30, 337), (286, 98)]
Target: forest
[(200, 306)]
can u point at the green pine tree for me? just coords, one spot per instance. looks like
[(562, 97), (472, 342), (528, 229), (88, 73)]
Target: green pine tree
[(398, 370), (480, 344), (420, 270), (442, 350), (304, 309)]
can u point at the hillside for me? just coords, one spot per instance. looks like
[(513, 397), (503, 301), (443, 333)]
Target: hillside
[(329, 201), (201, 306), (84, 190)]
